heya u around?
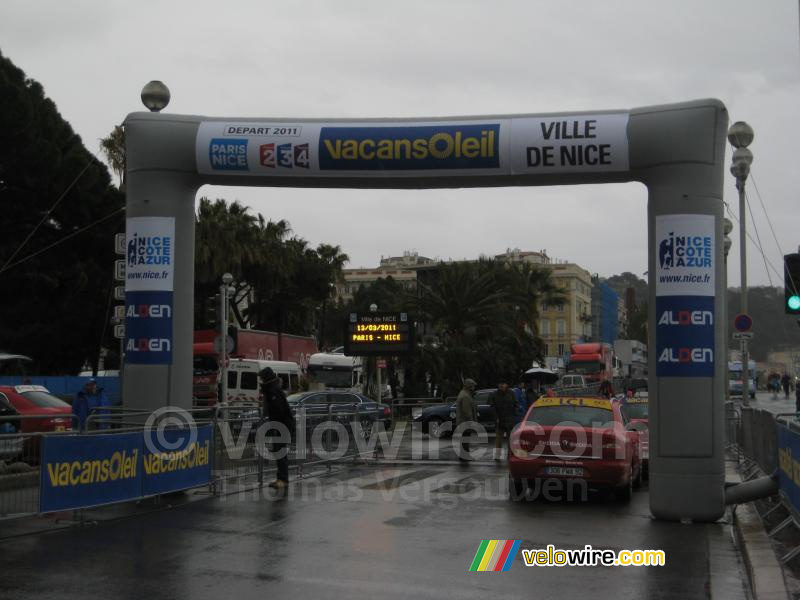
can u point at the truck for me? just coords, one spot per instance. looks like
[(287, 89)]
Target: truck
[(735, 380), (334, 370), (595, 361), (249, 343)]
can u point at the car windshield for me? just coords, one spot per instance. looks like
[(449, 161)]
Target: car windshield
[(294, 398), (637, 410), (44, 400), (204, 364), (333, 379), (586, 367), (585, 416)]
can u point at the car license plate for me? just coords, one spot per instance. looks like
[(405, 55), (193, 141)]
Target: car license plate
[(569, 471), (60, 428)]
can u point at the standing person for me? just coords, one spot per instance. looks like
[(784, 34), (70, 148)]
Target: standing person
[(86, 402), (466, 412), (523, 395), (785, 382), (797, 399), (505, 408), (606, 390), (276, 409), (774, 384)]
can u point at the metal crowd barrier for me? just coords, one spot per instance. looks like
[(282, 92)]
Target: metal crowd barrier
[(243, 442), (753, 435), (757, 438), (20, 454)]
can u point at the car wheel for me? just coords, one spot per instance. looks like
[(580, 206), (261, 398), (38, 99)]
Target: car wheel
[(516, 489), (637, 483), (435, 428), (366, 428), (625, 493)]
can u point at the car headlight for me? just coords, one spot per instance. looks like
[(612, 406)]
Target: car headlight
[(416, 414)]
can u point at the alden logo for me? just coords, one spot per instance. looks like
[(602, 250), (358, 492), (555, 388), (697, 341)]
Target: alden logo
[(686, 317), (410, 148), (148, 345), (687, 355), (144, 311)]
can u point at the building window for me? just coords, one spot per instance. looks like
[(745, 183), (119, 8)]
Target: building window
[(561, 327), (544, 307), (561, 349), (560, 308), (544, 327), (547, 349)]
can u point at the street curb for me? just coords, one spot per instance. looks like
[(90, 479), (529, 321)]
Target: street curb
[(763, 570)]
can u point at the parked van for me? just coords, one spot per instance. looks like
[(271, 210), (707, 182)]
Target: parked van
[(243, 377), (572, 381)]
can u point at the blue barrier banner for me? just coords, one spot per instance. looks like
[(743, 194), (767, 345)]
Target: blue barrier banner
[(89, 470), (176, 459), (789, 463)]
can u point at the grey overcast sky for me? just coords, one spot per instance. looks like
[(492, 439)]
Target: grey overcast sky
[(417, 58)]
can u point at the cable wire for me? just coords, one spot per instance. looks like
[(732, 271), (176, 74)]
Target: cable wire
[(47, 214), (8, 267)]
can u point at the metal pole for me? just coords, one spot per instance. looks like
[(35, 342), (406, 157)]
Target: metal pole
[(743, 268), (740, 135), (380, 387), (223, 342)]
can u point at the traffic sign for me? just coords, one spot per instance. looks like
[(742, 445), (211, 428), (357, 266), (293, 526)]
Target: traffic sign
[(119, 331), (230, 344), (743, 335), (380, 363), (119, 243), (119, 270), (119, 292), (119, 312), (743, 322)]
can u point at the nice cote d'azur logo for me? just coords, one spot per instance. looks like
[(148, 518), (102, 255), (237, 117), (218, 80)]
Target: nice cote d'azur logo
[(149, 250), (685, 251)]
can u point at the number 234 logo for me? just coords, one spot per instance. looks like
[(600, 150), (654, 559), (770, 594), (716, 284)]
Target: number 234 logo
[(284, 155)]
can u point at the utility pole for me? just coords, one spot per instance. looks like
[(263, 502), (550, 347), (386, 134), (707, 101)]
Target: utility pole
[(740, 135)]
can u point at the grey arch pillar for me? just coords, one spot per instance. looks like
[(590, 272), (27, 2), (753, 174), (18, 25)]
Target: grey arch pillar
[(676, 150)]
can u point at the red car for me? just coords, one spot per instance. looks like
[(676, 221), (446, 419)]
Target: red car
[(36, 401), (584, 439), (637, 410)]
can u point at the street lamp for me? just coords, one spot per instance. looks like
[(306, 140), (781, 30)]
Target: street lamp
[(224, 291), (374, 308), (155, 96), (740, 135), (727, 227)]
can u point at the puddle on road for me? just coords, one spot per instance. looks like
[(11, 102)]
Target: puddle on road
[(401, 480)]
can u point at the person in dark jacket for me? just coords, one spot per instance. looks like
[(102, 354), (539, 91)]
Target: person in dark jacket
[(277, 410), (466, 413), (90, 400), (506, 408)]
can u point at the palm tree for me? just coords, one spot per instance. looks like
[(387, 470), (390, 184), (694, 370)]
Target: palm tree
[(113, 148), (224, 243)]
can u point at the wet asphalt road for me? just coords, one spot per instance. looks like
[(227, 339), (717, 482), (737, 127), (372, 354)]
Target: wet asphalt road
[(778, 404), (385, 531)]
